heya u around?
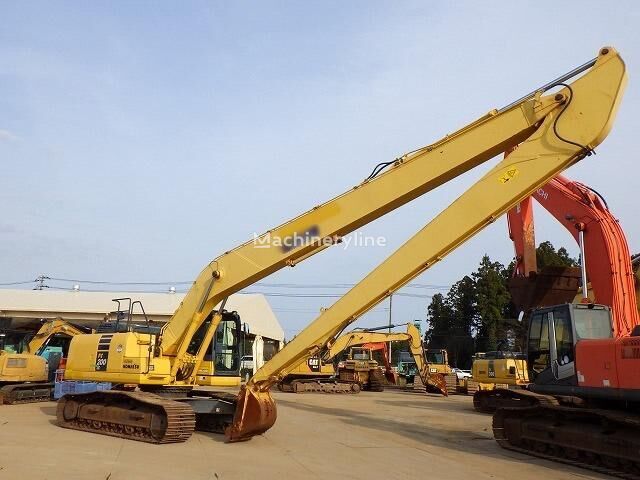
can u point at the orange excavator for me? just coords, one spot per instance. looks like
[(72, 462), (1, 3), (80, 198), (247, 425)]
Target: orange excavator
[(580, 405), (606, 268)]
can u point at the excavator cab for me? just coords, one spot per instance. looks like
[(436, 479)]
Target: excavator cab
[(360, 354), (221, 362), (13, 341), (553, 334), (15, 364), (438, 361)]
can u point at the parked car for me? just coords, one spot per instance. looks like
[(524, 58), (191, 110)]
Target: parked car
[(246, 363), (461, 374)]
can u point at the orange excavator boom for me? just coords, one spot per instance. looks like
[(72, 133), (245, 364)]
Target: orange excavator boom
[(585, 214)]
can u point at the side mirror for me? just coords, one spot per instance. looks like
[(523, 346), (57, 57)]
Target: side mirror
[(520, 315)]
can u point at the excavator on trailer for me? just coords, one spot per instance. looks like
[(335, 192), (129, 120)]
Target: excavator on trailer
[(554, 130), (26, 369)]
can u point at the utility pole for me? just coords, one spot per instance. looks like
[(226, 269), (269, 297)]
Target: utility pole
[(40, 282), (390, 323)]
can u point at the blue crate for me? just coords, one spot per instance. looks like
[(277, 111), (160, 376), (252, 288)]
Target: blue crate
[(86, 387), (57, 390), (70, 386)]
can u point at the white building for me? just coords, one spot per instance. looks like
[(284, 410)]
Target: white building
[(24, 309)]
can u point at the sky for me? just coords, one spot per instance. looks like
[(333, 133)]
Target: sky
[(140, 140)]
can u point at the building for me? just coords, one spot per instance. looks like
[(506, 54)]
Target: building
[(25, 309)]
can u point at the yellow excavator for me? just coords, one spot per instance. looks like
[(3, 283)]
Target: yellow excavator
[(26, 369), (554, 131), (499, 369), (359, 370)]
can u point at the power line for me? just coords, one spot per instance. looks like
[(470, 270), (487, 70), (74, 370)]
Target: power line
[(260, 284), (40, 285), (104, 282), (26, 282)]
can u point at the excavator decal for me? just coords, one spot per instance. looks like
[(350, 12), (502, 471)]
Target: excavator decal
[(102, 355)]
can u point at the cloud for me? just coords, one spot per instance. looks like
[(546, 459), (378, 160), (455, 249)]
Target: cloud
[(7, 136)]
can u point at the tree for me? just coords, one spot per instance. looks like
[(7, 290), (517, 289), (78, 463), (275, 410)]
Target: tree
[(439, 317), (493, 298), (547, 256), (477, 312), (463, 301)]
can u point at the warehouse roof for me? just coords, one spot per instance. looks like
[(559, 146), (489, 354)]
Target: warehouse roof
[(91, 307)]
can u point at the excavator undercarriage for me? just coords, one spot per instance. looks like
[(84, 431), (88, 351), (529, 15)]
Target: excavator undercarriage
[(146, 416), (26, 393), (605, 441), (319, 385)]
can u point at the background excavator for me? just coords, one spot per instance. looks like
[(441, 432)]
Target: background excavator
[(27, 369), (554, 131), (347, 365), (360, 365)]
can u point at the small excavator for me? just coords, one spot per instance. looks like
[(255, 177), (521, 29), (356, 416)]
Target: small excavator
[(554, 130), (355, 372), (358, 370), (27, 369)]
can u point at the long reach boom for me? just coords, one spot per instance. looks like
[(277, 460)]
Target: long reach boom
[(565, 136), (555, 130)]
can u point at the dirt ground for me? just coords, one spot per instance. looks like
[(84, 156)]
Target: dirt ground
[(389, 435)]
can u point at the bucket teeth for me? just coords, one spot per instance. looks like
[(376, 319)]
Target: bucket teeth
[(255, 414)]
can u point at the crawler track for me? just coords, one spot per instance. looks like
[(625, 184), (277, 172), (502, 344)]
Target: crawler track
[(26, 393), (600, 440), (140, 416), (320, 385), (488, 401), (376, 381)]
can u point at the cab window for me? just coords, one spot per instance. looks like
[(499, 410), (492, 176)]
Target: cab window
[(564, 336), (538, 344)]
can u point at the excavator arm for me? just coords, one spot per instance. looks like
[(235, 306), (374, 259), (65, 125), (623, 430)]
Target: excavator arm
[(566, 135), (412, 336), (361, 337), (50, 328), (435, 380)]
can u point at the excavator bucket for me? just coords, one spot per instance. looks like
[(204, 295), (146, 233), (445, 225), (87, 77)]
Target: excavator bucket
[(437, 384), (391, 377), (255, 414), (552, 286)]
